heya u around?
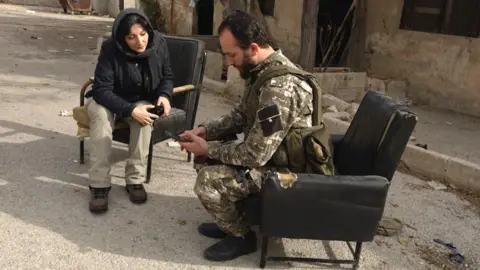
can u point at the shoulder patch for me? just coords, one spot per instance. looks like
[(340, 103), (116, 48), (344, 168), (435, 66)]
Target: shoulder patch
[(269, 119)]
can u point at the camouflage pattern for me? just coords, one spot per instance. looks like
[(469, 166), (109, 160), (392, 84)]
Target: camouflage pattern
[(294, 100), (218, 186)]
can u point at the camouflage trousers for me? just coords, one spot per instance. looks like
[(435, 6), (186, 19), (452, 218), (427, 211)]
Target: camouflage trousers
[(219, 187)]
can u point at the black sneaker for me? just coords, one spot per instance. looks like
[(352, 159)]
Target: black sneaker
[(137, 193), (211, 230), (232, 247), (99, 199)]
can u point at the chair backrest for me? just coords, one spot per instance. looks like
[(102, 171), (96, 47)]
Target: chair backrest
[(187, 59), (376, 139)]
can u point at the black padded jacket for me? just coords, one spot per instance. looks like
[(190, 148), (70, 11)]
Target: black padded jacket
[(123, 77)]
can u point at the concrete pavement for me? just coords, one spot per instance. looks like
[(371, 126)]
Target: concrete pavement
[(44, 218)]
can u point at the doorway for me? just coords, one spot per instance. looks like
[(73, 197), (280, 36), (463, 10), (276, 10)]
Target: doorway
[(204, 10), (331, 14)]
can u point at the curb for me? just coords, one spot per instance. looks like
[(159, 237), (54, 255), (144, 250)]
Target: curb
[(430, 164), (425, 163), (10, 7)]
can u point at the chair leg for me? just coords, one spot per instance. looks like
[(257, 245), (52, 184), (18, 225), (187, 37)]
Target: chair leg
[(149, 162), (356, 256), (82, 152), (189, 156), (263, 254)]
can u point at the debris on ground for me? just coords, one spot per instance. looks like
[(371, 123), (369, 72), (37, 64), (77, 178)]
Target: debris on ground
[(389, 226), (436, 185), (436, 256), (424, 146), (173, 144), (65, 113), (455, 255), (181, 222), (332, 109)]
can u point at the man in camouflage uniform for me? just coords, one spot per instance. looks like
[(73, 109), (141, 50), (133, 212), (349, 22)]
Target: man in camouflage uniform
[(264, 115)]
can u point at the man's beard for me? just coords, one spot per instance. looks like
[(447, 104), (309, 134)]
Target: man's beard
[(246, 69)]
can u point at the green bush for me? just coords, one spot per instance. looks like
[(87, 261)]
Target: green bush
[(154, 12)]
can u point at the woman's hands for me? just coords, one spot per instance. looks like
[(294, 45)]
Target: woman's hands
[(166, 105), (142, 116)]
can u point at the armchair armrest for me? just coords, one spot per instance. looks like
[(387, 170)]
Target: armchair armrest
[(186, 88), (312, 206), (174, 123)]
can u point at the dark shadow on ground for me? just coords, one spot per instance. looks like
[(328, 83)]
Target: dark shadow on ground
[(47, 189)]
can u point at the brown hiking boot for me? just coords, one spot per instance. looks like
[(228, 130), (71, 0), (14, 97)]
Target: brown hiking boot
[(137, 193), (99, 199)]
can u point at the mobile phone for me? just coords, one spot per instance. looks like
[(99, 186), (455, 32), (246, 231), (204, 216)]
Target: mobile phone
[(175, 137)]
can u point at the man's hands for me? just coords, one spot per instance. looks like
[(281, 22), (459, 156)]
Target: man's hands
[(197, 145), (141, 114), (166, 105), (199, 131)]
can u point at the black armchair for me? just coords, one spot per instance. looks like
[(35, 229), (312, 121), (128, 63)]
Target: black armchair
[(346, 207), (188, 59)]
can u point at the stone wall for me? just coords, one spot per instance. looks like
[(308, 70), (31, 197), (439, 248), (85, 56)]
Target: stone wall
[(182, 16), (285, 25), (439, 70)]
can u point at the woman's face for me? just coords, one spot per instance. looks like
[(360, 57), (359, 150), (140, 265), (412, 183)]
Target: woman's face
[(137, 39)]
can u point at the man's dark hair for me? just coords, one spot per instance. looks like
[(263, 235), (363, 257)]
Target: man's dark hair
[(246, 29)]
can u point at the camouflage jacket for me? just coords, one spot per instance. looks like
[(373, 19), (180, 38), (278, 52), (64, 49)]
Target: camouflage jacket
[(264, 116)]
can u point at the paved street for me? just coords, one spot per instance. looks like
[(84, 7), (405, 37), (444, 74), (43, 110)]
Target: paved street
[(44, 217)]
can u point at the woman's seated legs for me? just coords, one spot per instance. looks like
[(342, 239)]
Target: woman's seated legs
[(138, 147), (101, 127), (101, 123), (136, 167)]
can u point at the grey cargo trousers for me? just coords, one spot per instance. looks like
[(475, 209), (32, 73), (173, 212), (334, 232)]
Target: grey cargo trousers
[(101, 127)]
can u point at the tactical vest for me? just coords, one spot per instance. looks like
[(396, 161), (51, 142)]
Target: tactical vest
[(308, 149)]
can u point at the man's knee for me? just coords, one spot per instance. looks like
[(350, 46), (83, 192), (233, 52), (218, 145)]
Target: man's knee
[(205, 187), (201, 183)]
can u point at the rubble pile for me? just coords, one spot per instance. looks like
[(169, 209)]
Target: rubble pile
[(337, 108)]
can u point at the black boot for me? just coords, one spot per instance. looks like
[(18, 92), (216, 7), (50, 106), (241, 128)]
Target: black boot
[(99, 199), (232, 247), (137, 193), (211, 230)]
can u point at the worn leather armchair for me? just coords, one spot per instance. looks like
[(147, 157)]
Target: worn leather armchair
[(188, 60), (345, 207)]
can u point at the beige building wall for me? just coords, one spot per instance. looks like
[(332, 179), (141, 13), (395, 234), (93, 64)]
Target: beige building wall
[(442, 71)]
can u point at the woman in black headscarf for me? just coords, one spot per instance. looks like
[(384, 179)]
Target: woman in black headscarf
[(133, 72)]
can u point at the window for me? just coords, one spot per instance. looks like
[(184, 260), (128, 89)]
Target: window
[(267, 7), (451, 17)]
